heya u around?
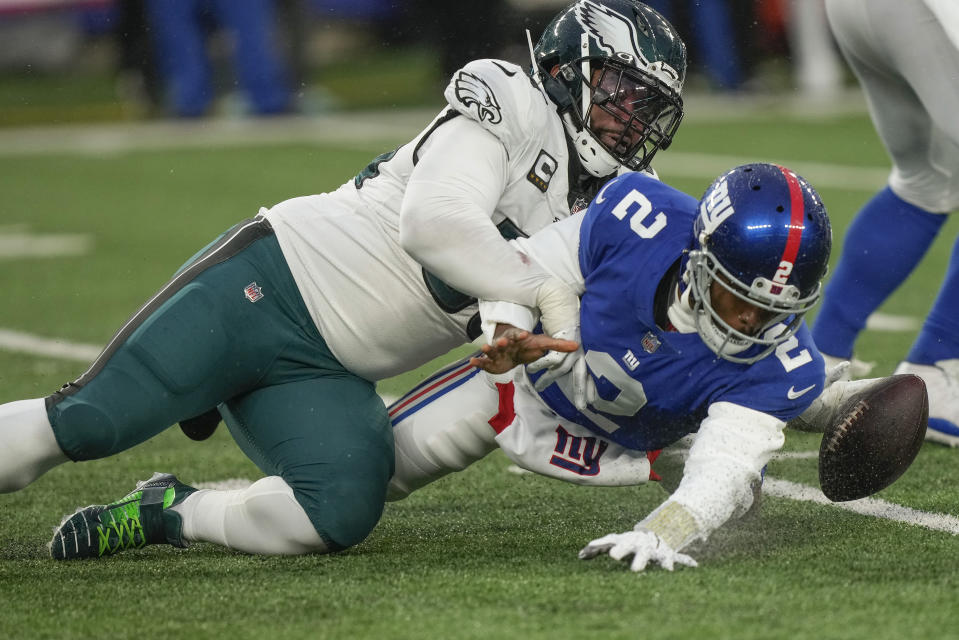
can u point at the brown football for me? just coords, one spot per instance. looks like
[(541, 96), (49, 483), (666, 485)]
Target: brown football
[(876, 437)]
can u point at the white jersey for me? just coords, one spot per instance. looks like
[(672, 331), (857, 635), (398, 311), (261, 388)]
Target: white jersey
[(493, 164), (906, 57)]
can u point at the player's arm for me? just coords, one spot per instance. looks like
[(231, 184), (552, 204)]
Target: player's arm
[(725, 463), (446, 224)]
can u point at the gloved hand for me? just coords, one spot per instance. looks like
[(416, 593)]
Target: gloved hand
[(558, 364), (644, 547)]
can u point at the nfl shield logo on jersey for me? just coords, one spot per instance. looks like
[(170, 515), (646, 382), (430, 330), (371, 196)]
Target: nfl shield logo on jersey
[(253, 292), (650, 342)]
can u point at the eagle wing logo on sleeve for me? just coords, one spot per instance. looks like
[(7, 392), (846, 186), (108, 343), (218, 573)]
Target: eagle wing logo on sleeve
[(470, 90)]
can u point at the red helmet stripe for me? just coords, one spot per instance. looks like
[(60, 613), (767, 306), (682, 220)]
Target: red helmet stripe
[(796, 213)]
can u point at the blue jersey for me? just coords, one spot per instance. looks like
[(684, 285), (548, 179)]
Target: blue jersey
[(655, 385)]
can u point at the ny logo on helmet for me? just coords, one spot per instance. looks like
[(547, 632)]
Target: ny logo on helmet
[(472, 90), (716, 207)]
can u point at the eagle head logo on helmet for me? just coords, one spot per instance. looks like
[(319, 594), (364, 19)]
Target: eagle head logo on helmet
[(615, 70)]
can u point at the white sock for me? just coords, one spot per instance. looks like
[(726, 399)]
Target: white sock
[(264, 518), (28, 448)]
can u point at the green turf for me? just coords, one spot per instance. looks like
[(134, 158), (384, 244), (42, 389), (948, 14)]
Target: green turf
[(483, 554)]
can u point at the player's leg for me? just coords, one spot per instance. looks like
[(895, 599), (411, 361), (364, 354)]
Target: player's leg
[(935, 358), (442, 425), (28, 448), (326, 447), (329, 440), (257, 59), (897, 226), (178, 35), (888, 229), (169, 361)]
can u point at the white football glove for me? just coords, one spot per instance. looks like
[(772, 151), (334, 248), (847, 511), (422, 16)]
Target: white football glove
[(558, 364), (644, 547)]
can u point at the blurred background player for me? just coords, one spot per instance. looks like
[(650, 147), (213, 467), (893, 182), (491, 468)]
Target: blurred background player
[(180, 29), (285, 322), (906, 57)]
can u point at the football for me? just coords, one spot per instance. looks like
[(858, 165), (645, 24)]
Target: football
[(877, 434)]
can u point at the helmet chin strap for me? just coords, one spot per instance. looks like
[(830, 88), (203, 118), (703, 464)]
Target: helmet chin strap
[(598, 162), (594, 158)]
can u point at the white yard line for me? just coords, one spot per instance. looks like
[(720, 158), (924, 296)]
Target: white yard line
[(400, 125), (673, 164), (47, 347), (889, 322), (19, 244), (867, 506)]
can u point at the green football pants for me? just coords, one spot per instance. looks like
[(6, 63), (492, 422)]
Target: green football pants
[(231, 330)]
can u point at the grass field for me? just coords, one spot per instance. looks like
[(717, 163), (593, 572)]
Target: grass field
[(484, 554)]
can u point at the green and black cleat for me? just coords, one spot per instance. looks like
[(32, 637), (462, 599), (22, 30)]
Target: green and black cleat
[(140, 518)]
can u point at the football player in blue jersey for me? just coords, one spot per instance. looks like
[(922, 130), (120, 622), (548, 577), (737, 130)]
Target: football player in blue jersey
[(692, 323), (906, 57), (283, 325)]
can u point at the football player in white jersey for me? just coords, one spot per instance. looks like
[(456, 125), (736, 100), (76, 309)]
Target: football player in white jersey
[(692, 322), (906, 57), (283, 324)]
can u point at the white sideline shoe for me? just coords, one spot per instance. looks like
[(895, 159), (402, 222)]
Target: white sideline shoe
[(942, 385)]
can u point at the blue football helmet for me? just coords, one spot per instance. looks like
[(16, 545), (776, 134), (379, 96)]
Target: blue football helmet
[(622, 58), (763, 234)]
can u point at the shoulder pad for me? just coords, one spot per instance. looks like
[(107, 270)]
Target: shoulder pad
[(501, 97)]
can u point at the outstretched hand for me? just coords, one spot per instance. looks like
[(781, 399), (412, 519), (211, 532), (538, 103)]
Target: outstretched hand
[(513, 347), (639, 548)]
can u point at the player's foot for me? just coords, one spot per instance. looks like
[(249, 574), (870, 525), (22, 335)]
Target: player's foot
[(942, 384), (857, 368), (139, 518)]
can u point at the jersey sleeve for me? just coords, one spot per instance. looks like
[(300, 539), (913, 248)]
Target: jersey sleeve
[(446, 216), (554, 248), (496, 95), (725, 463)]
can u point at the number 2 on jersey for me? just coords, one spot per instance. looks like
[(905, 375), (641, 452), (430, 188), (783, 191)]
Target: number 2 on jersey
[(638, 207)]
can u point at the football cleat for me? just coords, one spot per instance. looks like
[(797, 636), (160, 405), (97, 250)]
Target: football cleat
[(942, 384), (139, 518)]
